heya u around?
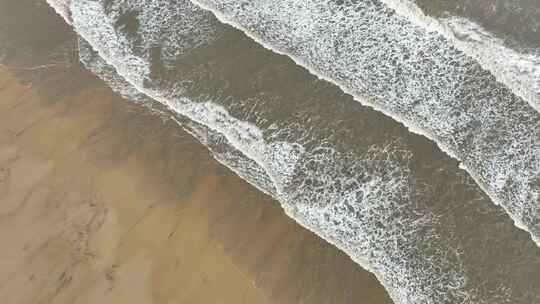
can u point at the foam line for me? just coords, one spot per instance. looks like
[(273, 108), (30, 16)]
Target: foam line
[(424, 104), (519, 71), (364, 198)]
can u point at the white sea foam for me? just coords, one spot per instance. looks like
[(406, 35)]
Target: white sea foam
[(368, 203), (246, 138), (221, 149), (62, 8), (519, 70), (276, 158), (418, 78)]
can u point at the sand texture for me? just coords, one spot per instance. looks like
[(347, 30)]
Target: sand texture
[(101, 202)]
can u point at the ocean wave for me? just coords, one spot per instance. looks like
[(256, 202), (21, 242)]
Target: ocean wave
[(62, 8), (222, 150), (518, 68), (417, 78), (411, 217)]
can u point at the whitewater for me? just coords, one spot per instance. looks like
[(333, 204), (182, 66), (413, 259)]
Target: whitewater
[(418, 78), (421, 225), (512, 61)]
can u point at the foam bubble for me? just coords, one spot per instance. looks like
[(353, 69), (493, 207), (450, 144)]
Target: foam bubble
[(518, 69), (417, 77), (62, 8), (418, 230)]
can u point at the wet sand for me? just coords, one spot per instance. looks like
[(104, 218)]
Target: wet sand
[(101, 202)]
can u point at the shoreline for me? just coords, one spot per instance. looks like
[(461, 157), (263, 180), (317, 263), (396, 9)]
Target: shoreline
[(102, 201)]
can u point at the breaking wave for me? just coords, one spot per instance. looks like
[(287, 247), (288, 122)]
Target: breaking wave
[(415, 76), (395, 203), (518, 67)]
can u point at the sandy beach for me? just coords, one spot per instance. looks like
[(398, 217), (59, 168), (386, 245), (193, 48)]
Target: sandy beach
[(102, 202)]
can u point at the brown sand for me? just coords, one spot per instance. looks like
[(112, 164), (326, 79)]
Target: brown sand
[(102, 203)]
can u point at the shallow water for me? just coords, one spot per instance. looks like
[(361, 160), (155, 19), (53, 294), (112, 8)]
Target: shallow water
[(164, 216), (393, 201)]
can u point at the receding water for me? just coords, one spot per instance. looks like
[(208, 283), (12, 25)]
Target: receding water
[(345, 167)]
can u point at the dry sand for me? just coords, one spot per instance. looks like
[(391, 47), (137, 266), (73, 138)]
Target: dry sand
[(101, 202)]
